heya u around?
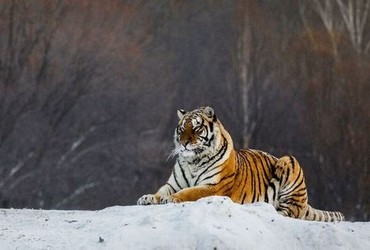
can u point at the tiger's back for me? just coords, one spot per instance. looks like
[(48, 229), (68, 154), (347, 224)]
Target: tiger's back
[(254, 171)]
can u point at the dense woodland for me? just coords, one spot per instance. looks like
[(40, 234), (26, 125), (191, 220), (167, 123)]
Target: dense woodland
[(89, 92)]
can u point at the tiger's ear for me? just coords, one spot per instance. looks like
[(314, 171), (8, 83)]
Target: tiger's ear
[(181, 113), (210, 113)]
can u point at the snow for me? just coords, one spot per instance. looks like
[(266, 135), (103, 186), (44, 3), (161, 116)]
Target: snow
[(210, 223)]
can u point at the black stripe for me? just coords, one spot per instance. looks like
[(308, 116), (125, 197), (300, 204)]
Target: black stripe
[(227, 177), (254, 191), (286, 207), (264, 170), (292, 161), (272, 161), (201, 123), (294, 186), (247, 167), (208, 143), (297, 195), (301, 190), (210, 176), (183, 175), (243, 199), (274, 196), (300, 177), (243, 171), (287, 174), (258, 174), (254, 195), (224, 185), (175, 178), (173, 189), (260, 184), (308, 211), (211, 126), (204, 127), (263, 177), (222, 179), (245, 157), (228, 190)]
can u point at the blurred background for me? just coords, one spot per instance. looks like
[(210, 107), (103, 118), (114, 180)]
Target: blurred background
[(89, 92)]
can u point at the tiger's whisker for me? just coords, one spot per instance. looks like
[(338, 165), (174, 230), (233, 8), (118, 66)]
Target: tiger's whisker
[(174, 153)]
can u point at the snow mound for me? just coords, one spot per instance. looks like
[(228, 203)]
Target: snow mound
[(210, 223)]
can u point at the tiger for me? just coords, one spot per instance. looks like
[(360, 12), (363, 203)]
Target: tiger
[(208, 165)]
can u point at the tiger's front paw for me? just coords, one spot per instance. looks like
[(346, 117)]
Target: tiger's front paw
[(148, 199), (169, 199)]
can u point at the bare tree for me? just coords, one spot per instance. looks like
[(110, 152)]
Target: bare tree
[(243, 57), (355, 16)]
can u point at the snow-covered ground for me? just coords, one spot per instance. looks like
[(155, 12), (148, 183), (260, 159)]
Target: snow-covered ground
[(210, 223)]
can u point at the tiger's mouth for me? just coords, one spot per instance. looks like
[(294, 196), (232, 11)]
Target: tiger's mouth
[(191, 152)]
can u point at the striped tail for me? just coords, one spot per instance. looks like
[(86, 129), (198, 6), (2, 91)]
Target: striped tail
[(320, 215)]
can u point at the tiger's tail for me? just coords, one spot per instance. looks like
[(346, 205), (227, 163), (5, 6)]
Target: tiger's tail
[(320, 215)]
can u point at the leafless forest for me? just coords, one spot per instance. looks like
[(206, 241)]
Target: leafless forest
[(89, 92)]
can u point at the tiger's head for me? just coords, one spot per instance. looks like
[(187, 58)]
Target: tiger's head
[(197, 132)]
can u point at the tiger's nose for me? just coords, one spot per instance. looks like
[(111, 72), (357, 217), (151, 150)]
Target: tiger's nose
[(185, 144)]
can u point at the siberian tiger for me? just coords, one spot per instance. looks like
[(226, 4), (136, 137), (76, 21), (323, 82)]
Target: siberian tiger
[(207, 164)]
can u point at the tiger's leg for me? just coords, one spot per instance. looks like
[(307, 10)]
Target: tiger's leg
[(152, 199), (287, 190), (190, 194)]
